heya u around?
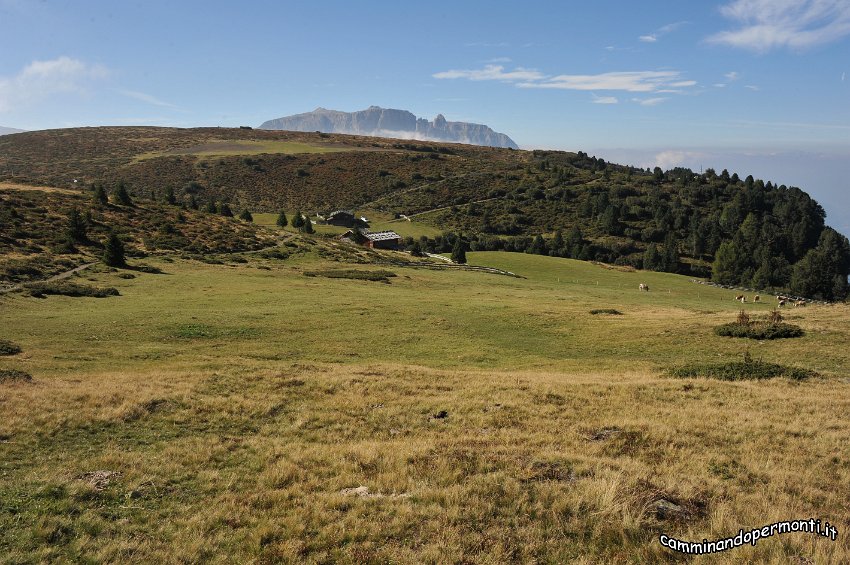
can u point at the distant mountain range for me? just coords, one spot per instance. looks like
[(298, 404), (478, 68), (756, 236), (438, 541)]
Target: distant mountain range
[(6, 131), (385, 122)]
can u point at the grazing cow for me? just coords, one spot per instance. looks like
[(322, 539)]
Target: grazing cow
[(781, 303), (756, 298), (740, 298), (643, 286), (799, 303)]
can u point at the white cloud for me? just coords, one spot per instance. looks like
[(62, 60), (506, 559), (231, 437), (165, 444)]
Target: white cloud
[(145, 98), (719, 85), (751, 87), (731, 76), (493, 72), (771, 24), (670, 159), (500, 60), (634, 81), (650, 101), (41, 79), (663, 30), (605, 99)]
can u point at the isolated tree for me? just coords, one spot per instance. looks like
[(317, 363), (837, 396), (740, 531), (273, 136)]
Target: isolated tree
[(77, 227), (298, 220), (307, 226), (113, 251), (211, 207), (281, 219), (225, 210), (246, 215), (170, 198), (459, 251), (100, 197), (416, 249), (121, 196)]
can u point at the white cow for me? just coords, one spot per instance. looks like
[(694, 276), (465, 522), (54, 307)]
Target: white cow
[(643, 287)]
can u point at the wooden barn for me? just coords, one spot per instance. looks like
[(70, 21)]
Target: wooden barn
[(375, 240)]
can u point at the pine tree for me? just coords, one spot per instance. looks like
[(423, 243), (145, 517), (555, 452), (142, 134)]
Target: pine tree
[(100, 197), (558, 244), (459, 251), (121, 196), (298, 220), (170, 198), (225, 210), (538, 246), (193, 202), (76, 230), (246, 215), (307, 226), (113, 251), (651, 258), (211, 207), (281, 219)]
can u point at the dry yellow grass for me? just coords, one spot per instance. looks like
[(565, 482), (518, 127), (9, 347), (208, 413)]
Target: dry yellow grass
[(237, 444)]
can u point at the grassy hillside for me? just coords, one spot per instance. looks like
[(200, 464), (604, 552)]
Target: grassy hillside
[(34, 241), (234, 409), (740, 231)]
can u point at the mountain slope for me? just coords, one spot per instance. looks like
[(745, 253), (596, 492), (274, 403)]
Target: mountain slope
[(386, 122), (7, 131), (738, 231)]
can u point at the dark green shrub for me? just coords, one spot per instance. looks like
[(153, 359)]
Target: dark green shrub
[(611, 311), (113, 251), (40, 290), (9, 348), (13, 375), (377, 276), (748, 369), (759, 330)]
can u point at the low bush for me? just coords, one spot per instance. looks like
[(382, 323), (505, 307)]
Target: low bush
[(748, 369), (14, 376), (9, 348), (376, 276), (759, 330), (40, 290), (275, 253), (611, 311)]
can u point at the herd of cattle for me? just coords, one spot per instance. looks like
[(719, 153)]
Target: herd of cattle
[(742, 298)]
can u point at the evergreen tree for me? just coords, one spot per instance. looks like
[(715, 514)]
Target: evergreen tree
[(822, 273), (281, 219), (651, 258), (211, 207), (225, 210), (100, 197), (113, 251), (307, 225), (459, 251), (170, 198), (416, 249), (121, 196), (246, 215), (670, 254), (297, 220), (193, 202), (538, 246), (76, 231), (558, 244)]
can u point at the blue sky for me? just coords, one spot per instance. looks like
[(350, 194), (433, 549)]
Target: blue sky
[(756, 86)]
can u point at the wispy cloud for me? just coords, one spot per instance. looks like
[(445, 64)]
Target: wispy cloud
[(629, 81), (605, 99), (41, 79), (663, 30), (650, 101), (731, 76), (751, 87), (500, 60), (141, 96), (493, 72), (771, 24), (634, 81)]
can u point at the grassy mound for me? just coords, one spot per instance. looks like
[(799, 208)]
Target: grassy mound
[(14, 376), (40, 290), (748, 369), (377, 276), (9, 348)]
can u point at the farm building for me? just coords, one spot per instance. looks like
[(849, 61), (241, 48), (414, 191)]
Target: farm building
[(343, 218), (375, 240)]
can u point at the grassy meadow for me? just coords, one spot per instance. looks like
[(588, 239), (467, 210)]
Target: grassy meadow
[(244, 412)]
